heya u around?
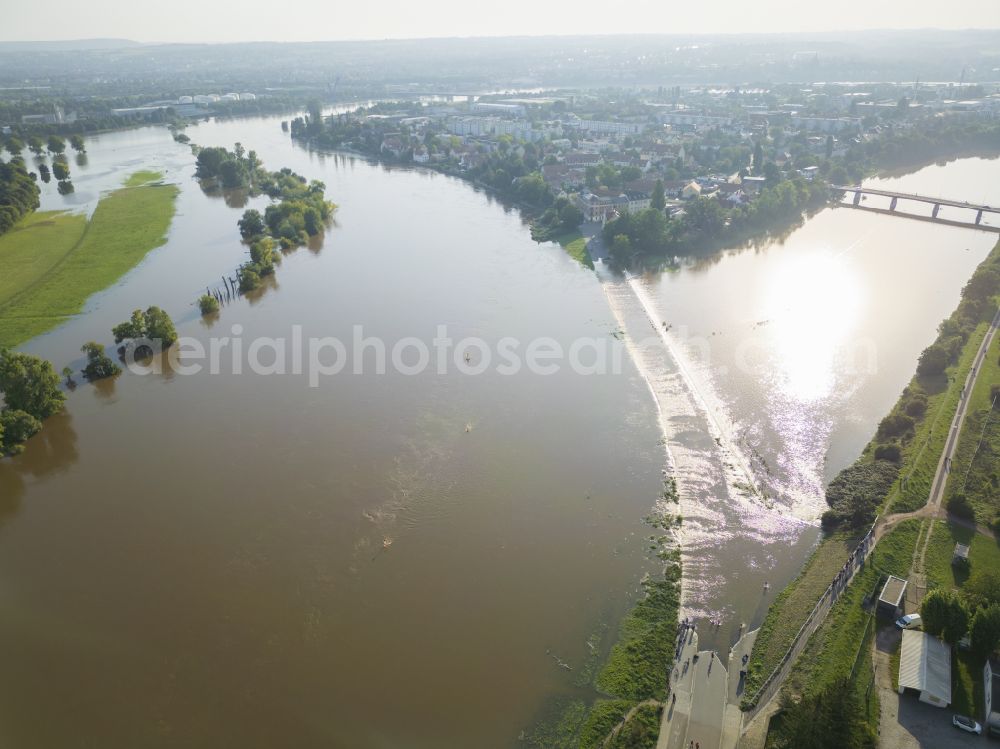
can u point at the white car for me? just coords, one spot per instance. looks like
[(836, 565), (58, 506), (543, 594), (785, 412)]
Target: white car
[(910, 621), (966, 724)]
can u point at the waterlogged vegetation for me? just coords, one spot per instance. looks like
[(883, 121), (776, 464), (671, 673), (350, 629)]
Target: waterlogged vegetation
[(152, 327), (299, 210), (126, 225), (99, 364), (18, 193), (143, 177), (575, 245), (31, 393), (633, 679)]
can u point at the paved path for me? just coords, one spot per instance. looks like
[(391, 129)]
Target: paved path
[(591, 231), (732, 723), (944, 465), (674, 723), (707, 710)]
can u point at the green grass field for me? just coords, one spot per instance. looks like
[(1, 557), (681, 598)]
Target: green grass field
[(791, 607), (840, 646), (838, 639), (143, 177), (126, 225), (33, 247), (576, 247), (975, 468)]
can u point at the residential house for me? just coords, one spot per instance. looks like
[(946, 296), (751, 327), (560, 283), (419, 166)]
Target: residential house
[(753, 185), (691, 190)]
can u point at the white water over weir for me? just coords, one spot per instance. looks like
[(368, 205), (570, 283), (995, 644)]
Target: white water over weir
[(699, 391), (727, 528)]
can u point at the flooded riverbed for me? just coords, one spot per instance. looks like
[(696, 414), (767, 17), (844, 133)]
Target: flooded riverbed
[(403, 561)]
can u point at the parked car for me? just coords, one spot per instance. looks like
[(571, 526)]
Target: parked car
[(966, 724), (910, 621)]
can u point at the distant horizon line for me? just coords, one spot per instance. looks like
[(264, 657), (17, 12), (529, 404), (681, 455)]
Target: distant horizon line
[(465, 37)]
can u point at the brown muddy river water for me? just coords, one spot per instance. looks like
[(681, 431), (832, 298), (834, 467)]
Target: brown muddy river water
[(398, 560)]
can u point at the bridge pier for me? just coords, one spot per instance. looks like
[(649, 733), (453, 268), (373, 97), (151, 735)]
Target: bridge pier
[(979, 217), (937, 207), (892, 205)]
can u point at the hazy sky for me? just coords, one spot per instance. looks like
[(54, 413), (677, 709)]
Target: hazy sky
[(300, 20)]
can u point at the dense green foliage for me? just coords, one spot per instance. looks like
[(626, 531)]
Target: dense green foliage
[(99, 365), (562, 217), (638, 664), (943, 614), (831, 718), (18, 193), (16, 428), (708, 224), (231, 169), (60, 169), (208, 304), (856, 493), (985, 630), (982, 589), (934, 140), (31, 393), (640, 730), (602, 718), (152, 328)]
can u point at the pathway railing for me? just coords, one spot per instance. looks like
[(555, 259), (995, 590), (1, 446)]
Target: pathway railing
[(766, 691)]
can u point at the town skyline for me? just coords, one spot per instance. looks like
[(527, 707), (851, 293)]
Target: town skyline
[(311, 20)]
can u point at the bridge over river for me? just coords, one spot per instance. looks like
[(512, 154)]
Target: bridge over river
[(861, 193)]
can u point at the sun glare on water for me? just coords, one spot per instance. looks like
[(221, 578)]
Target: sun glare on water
[(813, 303)]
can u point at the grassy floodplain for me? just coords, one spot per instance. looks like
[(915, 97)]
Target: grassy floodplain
[(575, 245), (632, 681), (143, 177), (58, 260), (33, 247)]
